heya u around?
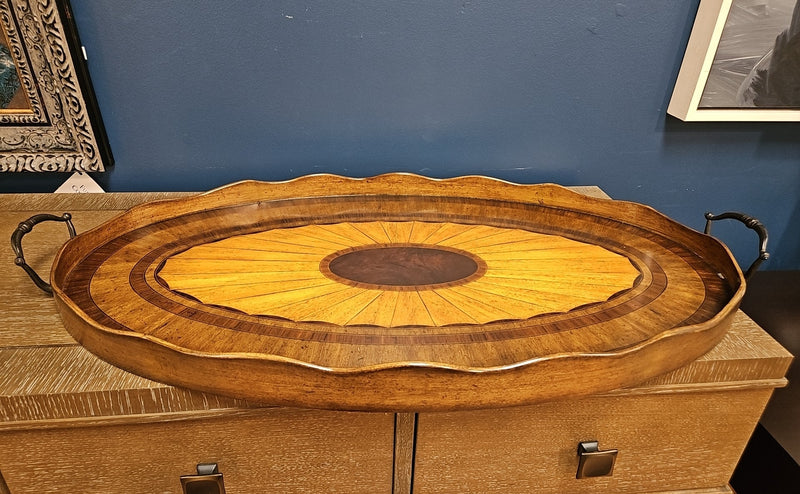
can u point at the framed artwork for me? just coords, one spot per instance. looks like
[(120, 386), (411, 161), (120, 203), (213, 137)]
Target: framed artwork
[(49, 119), (742, 63)]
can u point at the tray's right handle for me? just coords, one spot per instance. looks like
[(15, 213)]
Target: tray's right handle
[(751, 223), (26, 227)]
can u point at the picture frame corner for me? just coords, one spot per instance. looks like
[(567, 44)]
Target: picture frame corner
[(56, 125)]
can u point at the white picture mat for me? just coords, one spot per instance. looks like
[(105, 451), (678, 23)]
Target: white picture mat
[(701, 51)]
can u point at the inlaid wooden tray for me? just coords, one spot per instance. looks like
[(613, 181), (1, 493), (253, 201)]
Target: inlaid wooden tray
[(396, 292)]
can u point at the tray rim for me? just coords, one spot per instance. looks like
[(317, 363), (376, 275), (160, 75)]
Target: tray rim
[(730, 307), (710, 328)]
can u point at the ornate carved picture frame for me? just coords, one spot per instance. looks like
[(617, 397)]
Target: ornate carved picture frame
[(49, 118), (742, 63)]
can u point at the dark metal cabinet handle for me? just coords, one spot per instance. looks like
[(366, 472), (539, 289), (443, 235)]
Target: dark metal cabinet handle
[(751, 223), (26, 227), (207, 481), (595, 463)]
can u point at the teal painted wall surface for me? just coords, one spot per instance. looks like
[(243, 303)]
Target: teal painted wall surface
[(197, 94)]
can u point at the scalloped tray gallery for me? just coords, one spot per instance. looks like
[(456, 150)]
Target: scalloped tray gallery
[(396, 292)]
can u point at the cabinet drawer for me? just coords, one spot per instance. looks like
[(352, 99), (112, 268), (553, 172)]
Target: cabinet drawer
[(666, 442), (272, 450)]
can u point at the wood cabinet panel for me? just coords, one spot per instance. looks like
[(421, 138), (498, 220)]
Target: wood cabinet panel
[(269, 450), (678, 441)]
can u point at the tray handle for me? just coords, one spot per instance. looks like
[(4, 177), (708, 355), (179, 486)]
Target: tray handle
[(751, 223), (26, 227)]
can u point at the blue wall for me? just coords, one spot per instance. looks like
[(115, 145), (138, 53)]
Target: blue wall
[(196, 94)]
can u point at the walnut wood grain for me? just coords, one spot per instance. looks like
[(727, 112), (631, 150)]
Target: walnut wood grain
[(671, 307), (412, 266)]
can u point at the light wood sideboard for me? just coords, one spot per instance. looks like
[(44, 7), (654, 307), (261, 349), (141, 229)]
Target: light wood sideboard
[(72, 423)]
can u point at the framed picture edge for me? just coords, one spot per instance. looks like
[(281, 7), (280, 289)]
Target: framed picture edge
[(80, 62), (696, 66), (69, 135)]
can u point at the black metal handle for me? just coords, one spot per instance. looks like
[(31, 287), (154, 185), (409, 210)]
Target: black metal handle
[(751, 223), (207, 481), (26, 227), (595, 463)]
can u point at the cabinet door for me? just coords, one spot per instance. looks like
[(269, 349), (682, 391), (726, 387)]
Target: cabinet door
[(273, 450), (671, 442)]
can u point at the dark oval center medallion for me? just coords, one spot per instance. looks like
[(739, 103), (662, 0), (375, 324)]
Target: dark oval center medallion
[(402, 267)]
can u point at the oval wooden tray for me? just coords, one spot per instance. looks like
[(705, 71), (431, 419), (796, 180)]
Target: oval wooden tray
[(396, 292)]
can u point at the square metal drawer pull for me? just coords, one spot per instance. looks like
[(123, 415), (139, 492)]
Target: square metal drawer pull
[(594, 463), (207, 481)]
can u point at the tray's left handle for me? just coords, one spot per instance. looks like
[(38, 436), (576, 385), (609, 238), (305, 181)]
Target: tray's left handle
[(26, 227), (751, 223)]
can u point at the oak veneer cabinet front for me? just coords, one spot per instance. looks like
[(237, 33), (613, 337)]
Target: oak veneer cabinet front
[(266, 450), (72, 423)]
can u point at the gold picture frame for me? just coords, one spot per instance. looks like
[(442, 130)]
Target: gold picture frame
[(736, 62), (49, 118)]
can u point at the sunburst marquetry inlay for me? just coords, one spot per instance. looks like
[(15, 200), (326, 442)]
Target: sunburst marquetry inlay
[(393, 274)]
